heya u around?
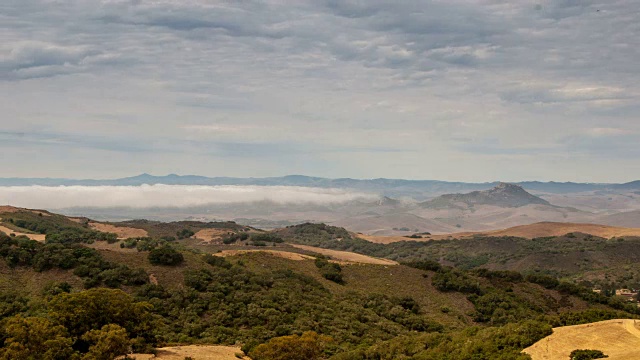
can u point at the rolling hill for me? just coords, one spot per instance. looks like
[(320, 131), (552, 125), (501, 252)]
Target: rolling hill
[(619, 339), (253, 293), (503, 195)]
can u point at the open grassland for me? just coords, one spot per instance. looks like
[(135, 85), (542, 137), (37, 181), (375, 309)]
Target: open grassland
[(531, 231), (620, 339), (123, 232), (210, 235), (278, 253), (346, 256), (25, 281), (544, 229), (36, 237), (199, 352)]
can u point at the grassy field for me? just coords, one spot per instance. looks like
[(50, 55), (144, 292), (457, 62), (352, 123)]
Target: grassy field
[(619, 339), (199, 352)]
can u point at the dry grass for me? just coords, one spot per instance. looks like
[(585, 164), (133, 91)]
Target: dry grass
[(557, 229), (122, 231), (13, 209), (9, 209), (541, 229), (277, 253), (36, 237), (26, 281), (197, 352), (385, 239), (346, 256), (211, 234), (620, 339)]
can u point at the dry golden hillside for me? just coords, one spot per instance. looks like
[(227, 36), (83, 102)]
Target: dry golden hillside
[(541, 229), (620, 339), (199, 352)]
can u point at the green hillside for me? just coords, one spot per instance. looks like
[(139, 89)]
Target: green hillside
[(576, 257), (90, 293)]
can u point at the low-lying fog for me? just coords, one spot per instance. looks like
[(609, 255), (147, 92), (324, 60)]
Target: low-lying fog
[(146, 196)]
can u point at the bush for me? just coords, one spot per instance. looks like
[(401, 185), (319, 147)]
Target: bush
[(330, 271), (266, 237), (185, 234), (546, 281), (587, 355), (165, 255), (218, 261)]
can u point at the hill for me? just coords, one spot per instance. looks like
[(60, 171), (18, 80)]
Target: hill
[(626, 219), (545, 229), (619, 339), (251, 297), (578, 257), (503, 195)]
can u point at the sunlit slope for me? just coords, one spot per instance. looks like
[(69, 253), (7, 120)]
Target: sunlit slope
[(619, 339)]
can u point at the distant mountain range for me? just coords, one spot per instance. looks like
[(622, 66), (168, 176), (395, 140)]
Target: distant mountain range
[(388, 187)]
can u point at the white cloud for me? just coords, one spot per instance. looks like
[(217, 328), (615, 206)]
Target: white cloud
[(145, 196)]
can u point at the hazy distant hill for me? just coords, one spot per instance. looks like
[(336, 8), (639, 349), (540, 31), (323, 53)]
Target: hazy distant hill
[(503, 195), (390, 187), (625, 219)]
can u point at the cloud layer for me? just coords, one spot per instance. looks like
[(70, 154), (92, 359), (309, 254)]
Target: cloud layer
[(456, 90), (146, 196)]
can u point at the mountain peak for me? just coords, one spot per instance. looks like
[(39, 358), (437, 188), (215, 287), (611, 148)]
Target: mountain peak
[(503, 195)]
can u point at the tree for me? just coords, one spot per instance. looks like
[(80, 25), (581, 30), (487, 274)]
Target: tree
[(107, 343), (185, 234), (35, 338), (587, 355), (165, 255), (308, 346), (91, 310)]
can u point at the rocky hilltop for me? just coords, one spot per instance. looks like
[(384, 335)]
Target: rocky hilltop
[(503, 195)]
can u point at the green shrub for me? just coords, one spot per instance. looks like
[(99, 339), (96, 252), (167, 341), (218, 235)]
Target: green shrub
[(165, 255), (218, 261), (587, 355)]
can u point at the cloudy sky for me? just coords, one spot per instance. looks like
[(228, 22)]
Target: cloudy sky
[(452, 90)]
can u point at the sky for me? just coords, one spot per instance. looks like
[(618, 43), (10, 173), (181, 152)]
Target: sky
[(448, 90)]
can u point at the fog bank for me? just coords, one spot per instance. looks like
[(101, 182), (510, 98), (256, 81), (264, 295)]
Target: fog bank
[(58, 197)]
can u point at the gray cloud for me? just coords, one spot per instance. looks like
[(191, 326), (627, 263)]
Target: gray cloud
[(330, 88)]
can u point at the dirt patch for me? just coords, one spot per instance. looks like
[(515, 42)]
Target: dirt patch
[(122, 231), (278, 253), (152, 279), (36, 237), (209, 235), (346, 256), (197, 352), (620, 339)]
